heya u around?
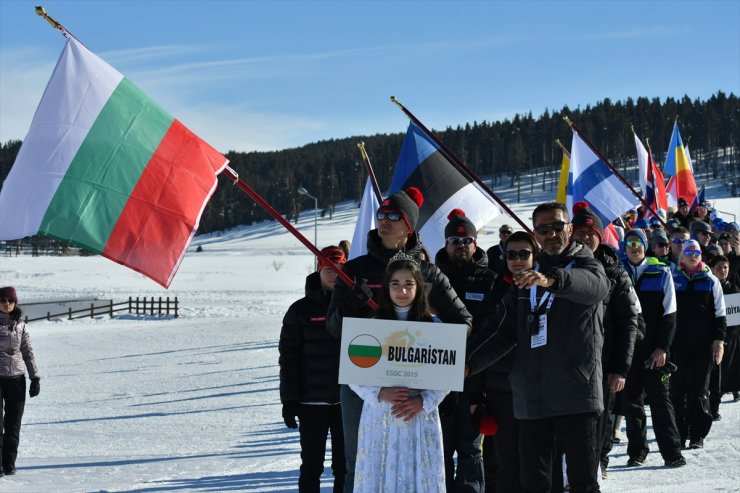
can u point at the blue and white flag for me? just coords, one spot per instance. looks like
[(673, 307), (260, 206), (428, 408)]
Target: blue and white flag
[(421, 164), (365, 221), (591, 179)]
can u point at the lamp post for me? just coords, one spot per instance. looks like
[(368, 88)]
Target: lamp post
[(303, 191)]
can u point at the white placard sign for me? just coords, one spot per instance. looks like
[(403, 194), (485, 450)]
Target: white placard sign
[(390, 353), (732, 305)]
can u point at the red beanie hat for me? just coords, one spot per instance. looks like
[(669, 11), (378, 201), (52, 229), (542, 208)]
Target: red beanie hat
[(333, 253)]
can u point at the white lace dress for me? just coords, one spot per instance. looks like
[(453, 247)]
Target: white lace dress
[(394, 456)]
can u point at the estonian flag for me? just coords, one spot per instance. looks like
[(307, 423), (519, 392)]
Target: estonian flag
[(421, 164)]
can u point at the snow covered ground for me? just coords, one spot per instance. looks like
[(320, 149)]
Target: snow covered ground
[(191, 404)]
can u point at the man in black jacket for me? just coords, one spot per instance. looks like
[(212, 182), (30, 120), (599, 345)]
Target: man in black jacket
[(309, 369), (397, 217), (466, 266), (620, 320), (554, 320)]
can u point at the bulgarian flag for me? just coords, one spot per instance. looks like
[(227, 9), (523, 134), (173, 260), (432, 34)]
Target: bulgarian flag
[(105, 168)]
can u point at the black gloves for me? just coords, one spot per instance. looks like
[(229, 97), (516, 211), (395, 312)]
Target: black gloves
[(359, 295), (35, 388), (290, 412)]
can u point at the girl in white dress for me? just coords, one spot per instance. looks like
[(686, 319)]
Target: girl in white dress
[(399, 446)]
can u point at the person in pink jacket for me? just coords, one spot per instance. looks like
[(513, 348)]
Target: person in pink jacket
[(16, 356)]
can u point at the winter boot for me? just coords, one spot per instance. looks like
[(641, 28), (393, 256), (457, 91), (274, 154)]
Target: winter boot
[(617, 435)]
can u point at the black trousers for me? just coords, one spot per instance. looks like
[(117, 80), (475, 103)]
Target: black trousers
[(459, 435), (502, 455), (731, 361), (690, 389), (316, 421), (715, 394), (12, 403), (575, 435), (657, 388), (605, 425)]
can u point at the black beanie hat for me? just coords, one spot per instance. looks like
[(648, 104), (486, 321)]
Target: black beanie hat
[(407, 203), (460, 225), (584, 217)]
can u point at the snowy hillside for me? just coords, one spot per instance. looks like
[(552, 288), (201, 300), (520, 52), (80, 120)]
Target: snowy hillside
[(191, 404)]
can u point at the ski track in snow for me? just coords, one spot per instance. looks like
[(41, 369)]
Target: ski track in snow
[(140, 404)]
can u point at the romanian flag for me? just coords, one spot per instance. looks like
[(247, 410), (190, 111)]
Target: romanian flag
[(105, 168), (563, 181), (678, 165)]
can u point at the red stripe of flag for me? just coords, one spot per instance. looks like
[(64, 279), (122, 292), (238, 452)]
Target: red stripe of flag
[(164, 209)]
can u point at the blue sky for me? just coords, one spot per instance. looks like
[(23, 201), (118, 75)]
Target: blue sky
[(271, 75)]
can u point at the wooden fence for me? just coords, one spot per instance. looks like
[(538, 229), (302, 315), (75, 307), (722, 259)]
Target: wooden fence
[(139, 306)]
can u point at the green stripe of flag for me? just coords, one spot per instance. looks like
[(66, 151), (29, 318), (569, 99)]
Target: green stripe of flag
[(106, 168), (371, 351)]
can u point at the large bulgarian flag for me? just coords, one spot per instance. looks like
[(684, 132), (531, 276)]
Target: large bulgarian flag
[(678, 165), (105, 168)]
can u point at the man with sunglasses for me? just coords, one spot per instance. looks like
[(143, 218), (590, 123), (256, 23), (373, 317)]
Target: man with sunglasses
[(620, 320), (654, 285), (660, 246), (702, 233), (397, 217), (554, 319), (466, 266), (678, 236), (496, 260)]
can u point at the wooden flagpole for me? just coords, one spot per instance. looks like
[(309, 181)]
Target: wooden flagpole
[(234, 177), (370, 171), (461, 167)]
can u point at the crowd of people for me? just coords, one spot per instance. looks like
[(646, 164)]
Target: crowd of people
[(568, 337)]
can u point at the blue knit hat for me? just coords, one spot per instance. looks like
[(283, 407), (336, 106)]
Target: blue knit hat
[(640, 234)]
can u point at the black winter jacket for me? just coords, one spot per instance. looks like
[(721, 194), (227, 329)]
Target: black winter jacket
[(309, 356), (442, 298), (472, 281), (620, 316), (564, 376)]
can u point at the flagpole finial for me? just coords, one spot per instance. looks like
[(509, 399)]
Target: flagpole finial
[(361, 145), (567, 120), (647, 141), (41, 12), (632, 127), (397, 102)]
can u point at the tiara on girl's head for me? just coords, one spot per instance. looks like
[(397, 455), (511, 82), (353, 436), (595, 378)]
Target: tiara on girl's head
[(401, 255)]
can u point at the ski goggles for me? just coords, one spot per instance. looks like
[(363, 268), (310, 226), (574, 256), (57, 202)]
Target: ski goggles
[(633, 243), (692, 253)]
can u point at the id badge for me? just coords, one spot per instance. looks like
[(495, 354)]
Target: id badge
[(540, 339)]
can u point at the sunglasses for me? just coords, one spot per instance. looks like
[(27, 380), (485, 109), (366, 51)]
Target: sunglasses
[(692, 253), (391, 216), (465, 240), (543, 229), (655, 226), (677, 241), (6, 300), (521, 254), (706, 233), (662, 245), (633, 243)]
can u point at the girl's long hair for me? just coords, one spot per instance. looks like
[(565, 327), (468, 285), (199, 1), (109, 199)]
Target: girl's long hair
[(420, 311)]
